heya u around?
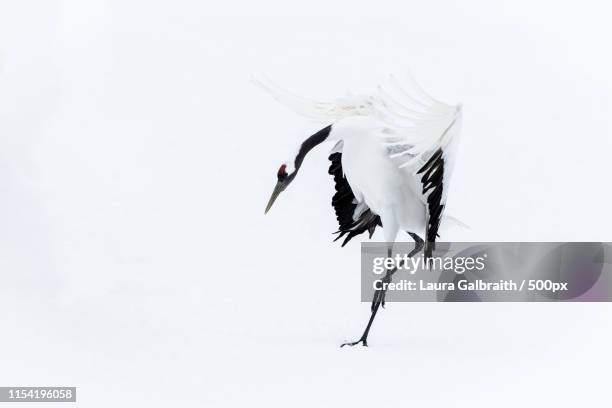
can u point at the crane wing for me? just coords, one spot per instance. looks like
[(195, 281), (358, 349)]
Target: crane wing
[(425, 152), (353, 215)]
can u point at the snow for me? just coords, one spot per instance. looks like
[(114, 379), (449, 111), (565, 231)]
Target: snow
[(136, 160)]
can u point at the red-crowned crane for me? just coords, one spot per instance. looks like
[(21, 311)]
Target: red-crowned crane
[(392, 159)]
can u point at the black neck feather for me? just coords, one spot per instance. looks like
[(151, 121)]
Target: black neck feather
[(310, 143)]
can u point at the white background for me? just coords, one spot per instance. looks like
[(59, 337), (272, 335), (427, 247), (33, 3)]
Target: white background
[(136, 158)]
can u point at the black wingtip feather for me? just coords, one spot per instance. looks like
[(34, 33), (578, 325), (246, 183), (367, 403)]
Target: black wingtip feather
[(433, 177), (343, 203)]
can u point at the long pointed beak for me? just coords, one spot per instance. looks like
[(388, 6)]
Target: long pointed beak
[(277, 190)]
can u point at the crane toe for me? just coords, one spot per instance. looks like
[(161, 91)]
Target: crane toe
[(354, 343)]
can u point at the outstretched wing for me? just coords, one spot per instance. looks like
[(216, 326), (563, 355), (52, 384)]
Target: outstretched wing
[(426, 154), (354, 216)]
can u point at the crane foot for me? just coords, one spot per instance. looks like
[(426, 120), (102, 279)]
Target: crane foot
[(354, 343)]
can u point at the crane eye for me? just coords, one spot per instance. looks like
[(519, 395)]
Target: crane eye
[(282, 173)]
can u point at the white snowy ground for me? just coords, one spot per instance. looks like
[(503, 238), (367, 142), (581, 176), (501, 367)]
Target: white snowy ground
[(136, 159)]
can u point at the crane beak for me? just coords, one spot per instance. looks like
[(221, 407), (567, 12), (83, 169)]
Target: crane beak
[(280, 186)]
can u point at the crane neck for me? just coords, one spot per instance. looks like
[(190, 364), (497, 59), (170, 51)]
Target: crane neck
[(310, 143)]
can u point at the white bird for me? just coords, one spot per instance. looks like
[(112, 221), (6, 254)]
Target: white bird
[(392, 160)]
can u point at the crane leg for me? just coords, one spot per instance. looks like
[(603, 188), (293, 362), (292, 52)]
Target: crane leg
[(379, 295)]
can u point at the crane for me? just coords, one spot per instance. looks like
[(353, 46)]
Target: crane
[(393, 154)]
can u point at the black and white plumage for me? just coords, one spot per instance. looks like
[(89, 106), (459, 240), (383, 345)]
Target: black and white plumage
[(393, 156), (345, 204)]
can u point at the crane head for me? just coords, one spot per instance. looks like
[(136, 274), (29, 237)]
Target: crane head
[(284, 179), (288, 170)]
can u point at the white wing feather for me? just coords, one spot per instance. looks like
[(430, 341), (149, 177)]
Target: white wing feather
[(416, 125)]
